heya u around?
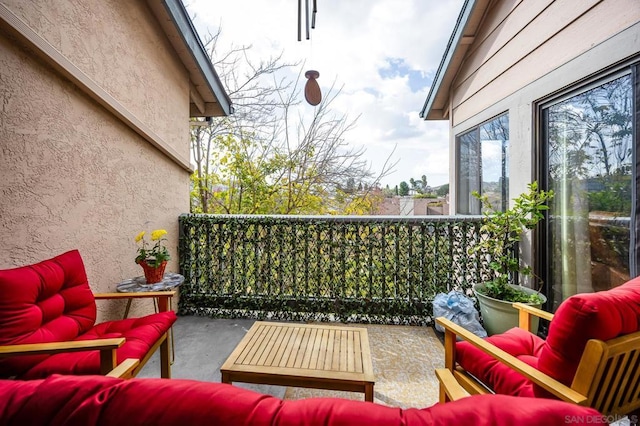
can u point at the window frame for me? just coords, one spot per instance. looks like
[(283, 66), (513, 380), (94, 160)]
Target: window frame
[(541, 161), (474, 206)]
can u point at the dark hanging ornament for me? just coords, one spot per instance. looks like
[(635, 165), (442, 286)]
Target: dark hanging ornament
[(312, 92)]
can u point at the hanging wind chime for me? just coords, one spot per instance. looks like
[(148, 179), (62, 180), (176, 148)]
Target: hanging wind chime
[(312, 92)]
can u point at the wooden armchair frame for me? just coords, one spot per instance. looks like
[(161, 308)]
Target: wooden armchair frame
[(107, 347), (125, 369), (164, 303), (449, 387), (607, 378)]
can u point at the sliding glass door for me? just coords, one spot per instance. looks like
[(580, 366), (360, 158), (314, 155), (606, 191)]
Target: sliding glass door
[(589, 157)]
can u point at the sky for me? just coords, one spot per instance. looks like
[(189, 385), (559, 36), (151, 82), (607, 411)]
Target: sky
[(383, 53)]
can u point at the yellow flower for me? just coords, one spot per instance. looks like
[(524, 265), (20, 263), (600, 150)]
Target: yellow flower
[(157, 253), (157, 234)]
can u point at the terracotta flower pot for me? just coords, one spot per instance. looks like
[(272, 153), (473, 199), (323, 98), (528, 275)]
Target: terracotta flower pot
[(153, 274)]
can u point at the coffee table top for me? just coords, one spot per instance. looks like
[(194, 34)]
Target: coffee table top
[(291, 350)]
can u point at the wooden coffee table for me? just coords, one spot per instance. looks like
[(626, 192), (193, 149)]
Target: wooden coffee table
[(303, 355)]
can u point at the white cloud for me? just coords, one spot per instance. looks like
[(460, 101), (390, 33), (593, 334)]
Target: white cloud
[(353, 41)]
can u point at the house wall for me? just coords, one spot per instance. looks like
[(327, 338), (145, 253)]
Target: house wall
[(520, 42), (409, 206), (388, 207), (525, 51), (73, 175)]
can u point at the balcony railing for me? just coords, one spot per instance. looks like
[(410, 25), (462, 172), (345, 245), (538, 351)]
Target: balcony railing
[(377, 269)]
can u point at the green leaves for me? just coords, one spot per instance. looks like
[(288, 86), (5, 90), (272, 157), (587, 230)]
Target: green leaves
[(158, 253), (498, 289), (246, 177), (310, 268), (503, 232)]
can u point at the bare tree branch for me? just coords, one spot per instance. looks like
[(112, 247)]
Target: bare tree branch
[(269, 156)]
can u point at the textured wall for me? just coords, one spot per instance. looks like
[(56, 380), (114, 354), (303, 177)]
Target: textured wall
[(71, 174)]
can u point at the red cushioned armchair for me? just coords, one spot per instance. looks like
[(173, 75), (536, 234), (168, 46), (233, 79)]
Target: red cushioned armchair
[(47, 325), (591, 355)]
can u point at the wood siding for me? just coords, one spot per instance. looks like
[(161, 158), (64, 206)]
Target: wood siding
[(521, 41)]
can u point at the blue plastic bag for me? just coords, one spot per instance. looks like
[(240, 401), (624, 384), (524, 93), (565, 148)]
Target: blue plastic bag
[(458, 308)]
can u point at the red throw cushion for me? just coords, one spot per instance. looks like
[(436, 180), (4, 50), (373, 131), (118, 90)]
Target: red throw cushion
[(603, 315), (49, 301), (89, 400), (496, 375), (140, 334)]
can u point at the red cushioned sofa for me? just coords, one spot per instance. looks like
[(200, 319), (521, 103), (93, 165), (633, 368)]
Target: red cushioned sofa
[(106, 401), (591, 355), (47, 324)]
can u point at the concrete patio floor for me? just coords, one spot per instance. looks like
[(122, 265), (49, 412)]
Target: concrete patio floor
[(404, 359), (201, 346)]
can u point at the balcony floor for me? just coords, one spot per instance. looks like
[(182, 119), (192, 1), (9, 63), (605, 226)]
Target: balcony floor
[(404, 358)]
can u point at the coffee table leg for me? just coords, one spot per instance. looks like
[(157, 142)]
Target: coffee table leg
[(368, 392), (226, 378)]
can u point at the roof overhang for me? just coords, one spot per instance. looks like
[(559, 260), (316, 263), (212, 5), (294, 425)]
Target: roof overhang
[(208, 98), (463, 36)]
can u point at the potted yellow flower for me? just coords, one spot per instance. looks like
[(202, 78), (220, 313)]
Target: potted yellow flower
[(153, 260)]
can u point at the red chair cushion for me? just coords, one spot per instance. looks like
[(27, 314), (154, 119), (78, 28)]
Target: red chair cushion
[(496, 375), (603, 315), (85, 400), (140, 335), (49, 301)]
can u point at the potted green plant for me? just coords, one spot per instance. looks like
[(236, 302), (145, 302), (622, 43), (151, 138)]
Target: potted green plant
[(152, 260), (503, 231)]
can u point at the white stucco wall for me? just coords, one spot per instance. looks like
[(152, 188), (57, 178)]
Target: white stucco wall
[(72, 175)]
